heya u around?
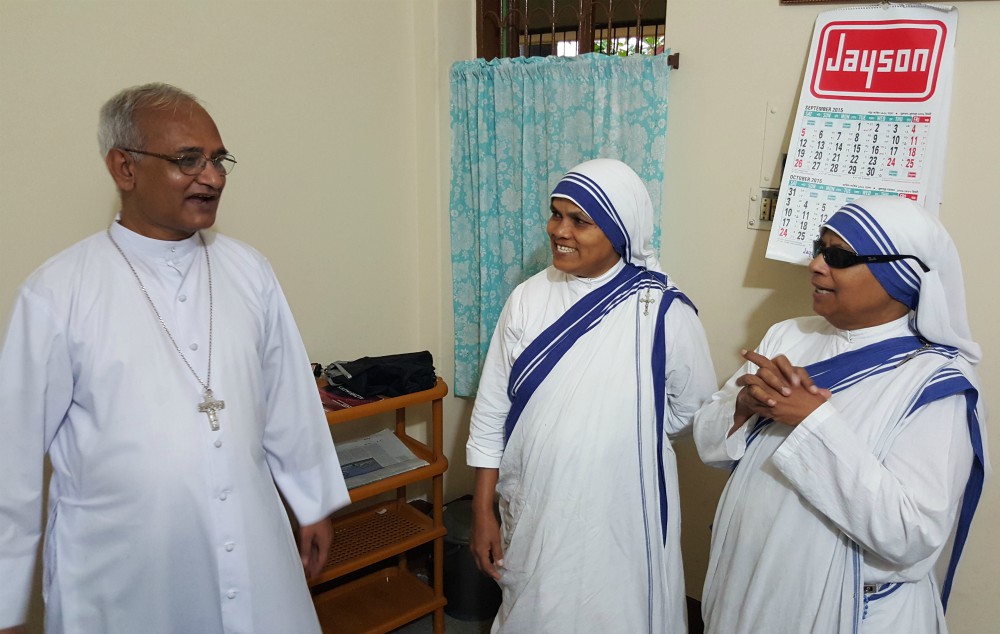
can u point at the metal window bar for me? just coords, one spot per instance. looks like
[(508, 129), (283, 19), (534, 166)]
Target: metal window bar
[(503, 29), (620, 39)]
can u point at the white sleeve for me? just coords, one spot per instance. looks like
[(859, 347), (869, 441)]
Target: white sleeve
[(712, 423), (902, 509), (489, 414), (300, 451), (716, 447), (36, 389), (690, 375)]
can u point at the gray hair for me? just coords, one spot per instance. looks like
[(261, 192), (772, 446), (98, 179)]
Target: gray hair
[(118, 127)]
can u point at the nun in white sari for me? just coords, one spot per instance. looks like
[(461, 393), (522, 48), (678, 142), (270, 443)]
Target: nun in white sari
[(595, 364), (856, 441)]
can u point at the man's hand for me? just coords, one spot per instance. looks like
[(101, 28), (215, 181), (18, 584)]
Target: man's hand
[(778, 390), (17, 629), (314, 546)]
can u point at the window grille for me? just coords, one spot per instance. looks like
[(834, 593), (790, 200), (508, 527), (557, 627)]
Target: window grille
[(618, 39), (529, 28)]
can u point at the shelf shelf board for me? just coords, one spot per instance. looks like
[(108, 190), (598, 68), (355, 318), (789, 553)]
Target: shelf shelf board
[(373, 534), (375, 604), (439, 391), (365, 491)]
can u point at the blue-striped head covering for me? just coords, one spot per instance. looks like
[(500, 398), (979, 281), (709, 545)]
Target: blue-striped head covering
[(856, 225), (890, 225), (616, 199)]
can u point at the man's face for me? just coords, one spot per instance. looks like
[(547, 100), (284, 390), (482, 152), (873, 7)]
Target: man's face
[(163, 202)]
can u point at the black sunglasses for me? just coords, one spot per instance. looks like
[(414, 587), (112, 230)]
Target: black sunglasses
[(838, 258)]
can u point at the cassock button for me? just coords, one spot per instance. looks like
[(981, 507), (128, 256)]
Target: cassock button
[(193, 346), (223, 496), (230, 546), (218, 443), (231, 594), (182, 298)]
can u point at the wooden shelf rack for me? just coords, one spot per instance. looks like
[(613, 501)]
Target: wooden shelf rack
[(392, 596)]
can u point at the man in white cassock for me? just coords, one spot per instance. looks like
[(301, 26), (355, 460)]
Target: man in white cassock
[(159, 367), (595, 364), (856, 441)]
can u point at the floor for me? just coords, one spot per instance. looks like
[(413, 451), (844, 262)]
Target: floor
[(451, 626), (455, 626), (463, 568)]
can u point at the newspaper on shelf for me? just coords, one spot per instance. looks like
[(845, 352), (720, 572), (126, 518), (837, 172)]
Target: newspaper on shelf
[(374, 458)]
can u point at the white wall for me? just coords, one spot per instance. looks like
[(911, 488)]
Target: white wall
[(338, 114)]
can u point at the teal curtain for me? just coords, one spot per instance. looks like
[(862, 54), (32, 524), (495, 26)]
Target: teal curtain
[(517, 125)]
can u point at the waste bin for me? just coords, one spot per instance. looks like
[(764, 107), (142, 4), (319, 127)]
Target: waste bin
[(472, 596)]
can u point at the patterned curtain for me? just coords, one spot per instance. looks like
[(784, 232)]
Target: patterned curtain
[(517, 125)]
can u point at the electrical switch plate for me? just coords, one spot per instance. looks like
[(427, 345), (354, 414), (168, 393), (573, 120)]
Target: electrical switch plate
[(760, 212)]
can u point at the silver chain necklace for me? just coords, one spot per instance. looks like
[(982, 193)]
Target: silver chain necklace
[(209, 406)]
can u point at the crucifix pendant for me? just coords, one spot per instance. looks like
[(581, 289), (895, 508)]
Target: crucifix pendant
[(646, 301), (211, 407)]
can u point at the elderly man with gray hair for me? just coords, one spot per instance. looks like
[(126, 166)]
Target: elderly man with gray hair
[(159, 367)]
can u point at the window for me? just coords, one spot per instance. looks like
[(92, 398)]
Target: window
[(529, 28)]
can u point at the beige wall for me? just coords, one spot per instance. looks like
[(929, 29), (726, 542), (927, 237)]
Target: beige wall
[(338, 114)]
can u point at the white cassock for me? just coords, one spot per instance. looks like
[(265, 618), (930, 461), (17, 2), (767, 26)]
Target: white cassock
[(157, 523), (837, 525), (585, 483)]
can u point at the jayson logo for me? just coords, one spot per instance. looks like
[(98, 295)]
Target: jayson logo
[(892, 60)]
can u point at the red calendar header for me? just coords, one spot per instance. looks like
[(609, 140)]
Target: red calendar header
[(891, 60)]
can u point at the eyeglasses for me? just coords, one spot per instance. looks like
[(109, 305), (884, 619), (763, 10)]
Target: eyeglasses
[(838, 258), (193, 163)]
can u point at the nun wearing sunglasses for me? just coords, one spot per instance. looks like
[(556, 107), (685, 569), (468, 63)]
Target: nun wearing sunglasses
[(855, 440)]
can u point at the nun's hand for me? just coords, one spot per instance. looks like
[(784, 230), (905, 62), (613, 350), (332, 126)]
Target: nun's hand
[(484, 539), (778, 390)]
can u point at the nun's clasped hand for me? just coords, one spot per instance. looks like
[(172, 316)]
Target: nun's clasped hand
[(778, 390)]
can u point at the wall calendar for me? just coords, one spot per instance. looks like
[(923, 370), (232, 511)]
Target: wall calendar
[(871, 120)]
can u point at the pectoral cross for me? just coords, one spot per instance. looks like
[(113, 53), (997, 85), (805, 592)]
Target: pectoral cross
[(646, 301), (211, 407)]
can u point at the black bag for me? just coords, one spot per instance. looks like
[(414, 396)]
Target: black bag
[(390, 375)]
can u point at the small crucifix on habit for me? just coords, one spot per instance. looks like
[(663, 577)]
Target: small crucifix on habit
[(211, 407), (646, 301)]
